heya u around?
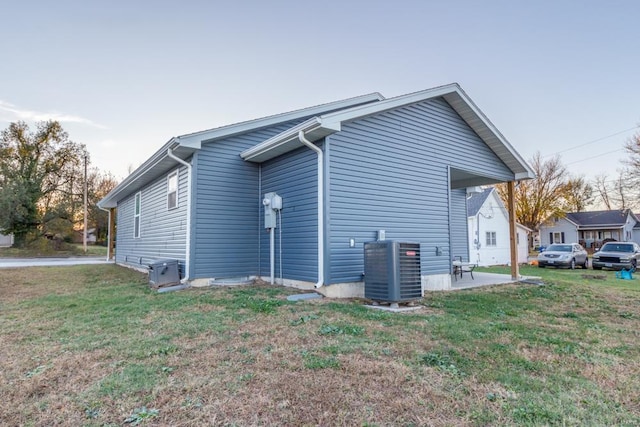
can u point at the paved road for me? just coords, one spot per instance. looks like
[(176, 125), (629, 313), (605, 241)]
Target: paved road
[(43, 262)]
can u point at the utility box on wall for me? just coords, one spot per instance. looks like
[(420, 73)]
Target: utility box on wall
[(164, 273), (392, 271)]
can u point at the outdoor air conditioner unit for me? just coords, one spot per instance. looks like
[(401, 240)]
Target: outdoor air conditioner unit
[(392, 271)]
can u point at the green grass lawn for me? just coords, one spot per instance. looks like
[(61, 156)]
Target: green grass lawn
[(40, 250), (93, 345)]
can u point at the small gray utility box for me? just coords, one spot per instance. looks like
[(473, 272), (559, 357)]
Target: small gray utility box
[(164, 273)]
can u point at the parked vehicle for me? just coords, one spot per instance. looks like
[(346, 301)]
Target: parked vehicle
[(617, 255), (563, 255)]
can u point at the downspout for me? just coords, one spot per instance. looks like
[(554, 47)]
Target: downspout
[(108, 211), (187, 261), (318, 151)]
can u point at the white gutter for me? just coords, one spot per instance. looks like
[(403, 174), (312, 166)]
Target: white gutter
[(187, 260), (108, 211), (318, 151)]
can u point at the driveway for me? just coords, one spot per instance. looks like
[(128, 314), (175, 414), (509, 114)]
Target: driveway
[(49, 262)]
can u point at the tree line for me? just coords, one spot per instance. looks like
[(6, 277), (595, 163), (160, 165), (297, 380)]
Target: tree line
[(42, 186), (555, 192), (42, 179)]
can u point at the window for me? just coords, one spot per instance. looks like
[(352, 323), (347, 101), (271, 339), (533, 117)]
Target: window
[(136, 216), (557, 237), (491, 238), (172, 190)]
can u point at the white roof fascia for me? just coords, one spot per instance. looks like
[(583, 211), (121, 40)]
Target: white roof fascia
[(464, 106), (570, 221), (387, 104), (156, 158), (476, 119), (267, 149), (524, 227), (195, 139)]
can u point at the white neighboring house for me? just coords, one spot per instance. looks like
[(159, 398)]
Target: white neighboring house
[(6, 240), (488, 225)]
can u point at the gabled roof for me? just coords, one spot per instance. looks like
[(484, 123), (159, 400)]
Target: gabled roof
[(325, 120), (326, 124), (475, 202), (600, 219), (185, 145)]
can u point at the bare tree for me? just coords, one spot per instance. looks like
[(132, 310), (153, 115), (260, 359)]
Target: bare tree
[(544, 196), (601, 184), (618, 192)]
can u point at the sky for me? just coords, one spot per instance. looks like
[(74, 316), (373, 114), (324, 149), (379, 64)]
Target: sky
[(123, 77)]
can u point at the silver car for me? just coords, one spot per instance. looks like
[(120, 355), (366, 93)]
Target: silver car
[(563, 255), (617, 255)]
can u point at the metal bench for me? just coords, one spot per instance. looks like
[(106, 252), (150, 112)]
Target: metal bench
[(460, 267)]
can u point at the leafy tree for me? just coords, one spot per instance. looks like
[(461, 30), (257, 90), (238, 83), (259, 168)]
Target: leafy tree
[(34, 167), (550, 193), (578, 195)]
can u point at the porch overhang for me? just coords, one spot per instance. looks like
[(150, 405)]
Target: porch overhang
[(314, 129)]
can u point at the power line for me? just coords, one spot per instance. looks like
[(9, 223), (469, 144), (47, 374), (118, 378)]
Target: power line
[(591, 142), (593, 157)]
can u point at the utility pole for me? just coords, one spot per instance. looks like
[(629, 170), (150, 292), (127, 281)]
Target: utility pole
[(84, 235)]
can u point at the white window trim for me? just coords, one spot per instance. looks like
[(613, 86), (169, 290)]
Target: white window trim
[(491, 236), (137, 201), (177, 175)]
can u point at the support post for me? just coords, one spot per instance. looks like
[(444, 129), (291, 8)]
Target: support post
[(84, 231), (515, 269)]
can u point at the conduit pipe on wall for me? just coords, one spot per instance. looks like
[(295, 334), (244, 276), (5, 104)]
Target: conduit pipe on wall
[(187, 261), (318, 151)]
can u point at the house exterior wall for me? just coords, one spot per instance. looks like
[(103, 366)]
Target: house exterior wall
[(294, 177), (162, 231), (391, 172), (561, 226), (228, 207), (491, 218), (627, 231), (522, 242), (459, 226)]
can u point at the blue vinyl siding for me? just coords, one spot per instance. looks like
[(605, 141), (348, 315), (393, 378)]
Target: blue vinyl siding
[(459, 224), (390, 171), (294, 177), (226, 211), (162, 230)]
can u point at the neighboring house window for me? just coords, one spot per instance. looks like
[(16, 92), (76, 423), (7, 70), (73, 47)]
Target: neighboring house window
[(491, 238), (172, 190), (517, 238), (136, 216), (557, 237)]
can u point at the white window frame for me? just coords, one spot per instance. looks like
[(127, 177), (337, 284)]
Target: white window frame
[(137, 210), (171, 191), (491, 238)]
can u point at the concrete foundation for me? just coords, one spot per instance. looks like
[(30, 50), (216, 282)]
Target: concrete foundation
[(436, 282), (343, 290)]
